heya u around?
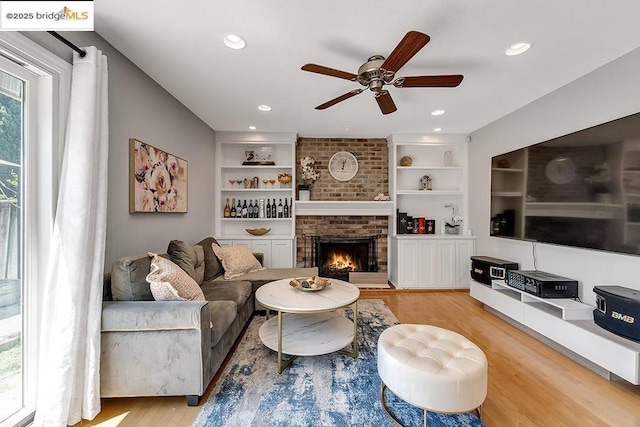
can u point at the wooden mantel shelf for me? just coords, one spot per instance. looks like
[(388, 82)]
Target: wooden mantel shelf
[(336, 208)]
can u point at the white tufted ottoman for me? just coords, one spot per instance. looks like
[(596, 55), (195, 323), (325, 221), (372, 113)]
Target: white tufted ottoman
[(433, 368)]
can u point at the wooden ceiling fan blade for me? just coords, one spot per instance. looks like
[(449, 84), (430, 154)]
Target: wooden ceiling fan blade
[(410, 44), (429, 81), (341, 98), (320, 69), (385, 102)]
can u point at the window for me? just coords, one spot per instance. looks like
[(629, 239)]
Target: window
[(33, 98)]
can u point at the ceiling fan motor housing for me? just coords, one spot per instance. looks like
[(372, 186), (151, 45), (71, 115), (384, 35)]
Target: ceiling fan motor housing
[(370, 74)]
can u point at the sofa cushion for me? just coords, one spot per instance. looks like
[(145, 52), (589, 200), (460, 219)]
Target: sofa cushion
[(168, 282), (188, 257), (183, 255), (223, 313), (199, 266), (212, 266), (235, 291), (128, 278), (236, 260)]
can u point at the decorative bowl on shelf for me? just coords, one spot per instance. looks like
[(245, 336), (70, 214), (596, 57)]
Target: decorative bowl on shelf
[(310, 284), (406, 161), (257, 231)]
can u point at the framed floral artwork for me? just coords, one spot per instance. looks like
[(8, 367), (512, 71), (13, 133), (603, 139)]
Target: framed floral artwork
[(157, 180)]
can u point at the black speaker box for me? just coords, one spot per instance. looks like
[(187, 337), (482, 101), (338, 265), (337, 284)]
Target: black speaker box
[(618, 310)]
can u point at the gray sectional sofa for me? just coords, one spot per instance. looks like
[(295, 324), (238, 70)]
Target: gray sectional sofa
[(169, 348)]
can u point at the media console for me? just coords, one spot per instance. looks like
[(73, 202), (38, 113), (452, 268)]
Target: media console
[(566, 322)]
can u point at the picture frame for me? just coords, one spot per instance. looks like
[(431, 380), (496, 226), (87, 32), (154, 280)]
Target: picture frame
[(262, 156), (158, 180), (430, 227)]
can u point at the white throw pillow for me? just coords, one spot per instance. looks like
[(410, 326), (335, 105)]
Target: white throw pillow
[(236, 260), (168, 282)]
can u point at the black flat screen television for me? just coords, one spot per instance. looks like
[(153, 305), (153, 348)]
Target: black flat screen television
[(581, 189)]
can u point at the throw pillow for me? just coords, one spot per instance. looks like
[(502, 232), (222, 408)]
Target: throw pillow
[(183, 255), (199, 266), (212, 266), (236, 260), (168, 282)]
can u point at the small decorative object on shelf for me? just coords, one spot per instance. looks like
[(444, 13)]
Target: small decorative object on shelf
[(257, 231), (260, 157), (285, 180), (452, 225), (307, 178), (425, 183), (406, 161), (448, 158), (380, 197)]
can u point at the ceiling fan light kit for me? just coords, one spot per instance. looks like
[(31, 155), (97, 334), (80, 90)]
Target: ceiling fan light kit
[(379, 71)]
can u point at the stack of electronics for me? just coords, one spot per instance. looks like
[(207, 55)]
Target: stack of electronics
[(484, 269), (541, 284)]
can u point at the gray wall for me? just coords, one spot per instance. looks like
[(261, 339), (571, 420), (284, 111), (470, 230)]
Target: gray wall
[(139, 108), (610, 92)]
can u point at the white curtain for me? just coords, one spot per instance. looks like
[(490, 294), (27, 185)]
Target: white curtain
[(69, 353)]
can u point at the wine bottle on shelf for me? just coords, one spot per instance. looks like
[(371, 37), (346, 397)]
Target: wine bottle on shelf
[(245, 209), (274, 211), (280, 209), (268, 209), (250, 210), (239, 210), (232, 211), (261, 209), (291, 208), (286, 208), (227, 209)]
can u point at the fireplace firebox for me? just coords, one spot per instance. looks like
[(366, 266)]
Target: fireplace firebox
[(337, 256)]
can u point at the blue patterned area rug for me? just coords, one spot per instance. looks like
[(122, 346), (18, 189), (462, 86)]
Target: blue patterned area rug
[(328, 390)]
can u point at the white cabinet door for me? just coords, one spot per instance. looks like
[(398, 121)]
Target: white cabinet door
[(427, 265), (281, 254), (464, 250), (409, 262), (263, 247), (446, 264)]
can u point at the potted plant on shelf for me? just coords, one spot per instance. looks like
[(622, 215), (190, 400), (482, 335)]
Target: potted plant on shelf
[(307, 178), (452, 225)]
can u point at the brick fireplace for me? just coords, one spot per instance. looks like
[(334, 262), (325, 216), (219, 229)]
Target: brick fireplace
[(372, 178)]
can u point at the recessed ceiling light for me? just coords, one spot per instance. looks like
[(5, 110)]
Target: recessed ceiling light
[(264, 107), (234, 41), (252, 127), (437, 112), (517, 49), (437, 130), (347, 128)]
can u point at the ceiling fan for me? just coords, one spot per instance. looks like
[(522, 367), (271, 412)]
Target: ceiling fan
[(378, 72)]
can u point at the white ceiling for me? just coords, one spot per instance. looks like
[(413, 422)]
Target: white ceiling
[(178, 44)]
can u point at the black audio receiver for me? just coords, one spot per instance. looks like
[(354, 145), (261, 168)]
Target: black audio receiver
[(541, 284)]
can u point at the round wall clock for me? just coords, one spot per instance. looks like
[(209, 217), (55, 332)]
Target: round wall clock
[(343, 166)]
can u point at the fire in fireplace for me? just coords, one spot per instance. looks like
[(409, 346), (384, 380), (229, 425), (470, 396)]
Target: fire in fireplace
[(337, 256)]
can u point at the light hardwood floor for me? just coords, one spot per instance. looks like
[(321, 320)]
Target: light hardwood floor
[(530, 384)]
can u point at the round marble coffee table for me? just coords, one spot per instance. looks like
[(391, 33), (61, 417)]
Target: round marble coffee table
[(308, 323)]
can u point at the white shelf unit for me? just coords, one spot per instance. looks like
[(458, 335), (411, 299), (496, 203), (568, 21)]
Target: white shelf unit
[(230, 153), (449, 182), (566, 322), (429, 260)]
